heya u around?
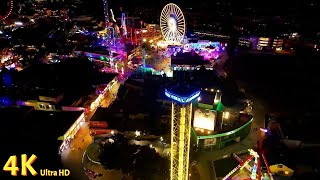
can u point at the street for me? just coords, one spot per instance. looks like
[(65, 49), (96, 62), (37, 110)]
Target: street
[(72, 157)]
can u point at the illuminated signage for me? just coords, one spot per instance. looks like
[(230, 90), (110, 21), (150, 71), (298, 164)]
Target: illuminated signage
[(180, 98), (204, 119)]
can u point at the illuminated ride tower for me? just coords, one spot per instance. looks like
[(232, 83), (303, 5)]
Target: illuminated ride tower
[(181, 113), (106, 12)]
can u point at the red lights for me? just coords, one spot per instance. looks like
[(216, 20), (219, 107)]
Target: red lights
[(9, 12)]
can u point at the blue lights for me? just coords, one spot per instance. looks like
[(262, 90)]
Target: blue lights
[(7, 79), (180, 98), (5, 101)]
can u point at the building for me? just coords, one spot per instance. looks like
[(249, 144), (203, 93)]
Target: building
[(181, 114), (56, 100), (43, 133), (261, 43), (216, 126)]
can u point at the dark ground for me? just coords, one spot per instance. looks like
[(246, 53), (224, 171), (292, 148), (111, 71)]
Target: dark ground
[(285, 83), (288, 85)]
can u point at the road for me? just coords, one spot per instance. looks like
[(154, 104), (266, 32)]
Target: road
[(72, 157)]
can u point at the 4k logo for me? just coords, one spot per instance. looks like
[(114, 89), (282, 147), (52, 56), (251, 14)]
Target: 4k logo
[(26, 165)]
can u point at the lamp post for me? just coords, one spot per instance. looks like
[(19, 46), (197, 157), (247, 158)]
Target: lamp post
[(263, 132), (144, 53), (141, 22)]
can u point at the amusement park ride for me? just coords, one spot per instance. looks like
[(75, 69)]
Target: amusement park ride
[(255, 156), (172, 24), (111, 28)]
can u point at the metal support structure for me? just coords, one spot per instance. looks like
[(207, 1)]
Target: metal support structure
[(180, 140), (106, 12), (113, 35), (123, 24), (144, 56)]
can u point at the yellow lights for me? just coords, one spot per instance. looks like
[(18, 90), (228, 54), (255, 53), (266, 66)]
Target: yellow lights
[(72, 131), (209, 132), (112, 132), (253, 153), (137, 133), (264, 39), (181, 116), (217, 97), (226, 115), (212, 90), (151, 41), (181, 141), (204, 119), (206, 89), (144, 40), (202, 130)]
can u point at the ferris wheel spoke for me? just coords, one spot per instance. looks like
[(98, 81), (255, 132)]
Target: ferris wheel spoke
[(166, 29), (166, 35), (180, 18), (167, 12), (176, 13), (179, 34), (170, 9), (164, 18)]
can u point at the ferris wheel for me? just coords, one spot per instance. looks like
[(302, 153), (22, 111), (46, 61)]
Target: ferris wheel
[(172, 23), (8, 12)]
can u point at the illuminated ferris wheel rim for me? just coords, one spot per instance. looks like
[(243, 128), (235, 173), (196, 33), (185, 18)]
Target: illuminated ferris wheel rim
[(2, 18), (172, 23)]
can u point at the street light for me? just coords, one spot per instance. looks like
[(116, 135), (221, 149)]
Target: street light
[(137, 133), (264, 130)]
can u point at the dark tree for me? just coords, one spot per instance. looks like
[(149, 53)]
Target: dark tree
[(142, 162)]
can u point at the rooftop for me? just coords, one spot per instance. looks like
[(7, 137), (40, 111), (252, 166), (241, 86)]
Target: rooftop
[(241, 121), (104, 114), (187, 58), (207, 97), (182, 89)]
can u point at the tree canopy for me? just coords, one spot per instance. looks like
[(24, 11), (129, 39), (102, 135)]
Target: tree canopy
[(142, 162)]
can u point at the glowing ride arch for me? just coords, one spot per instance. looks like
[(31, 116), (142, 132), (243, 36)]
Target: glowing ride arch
[(8, 13), (172, 23)]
